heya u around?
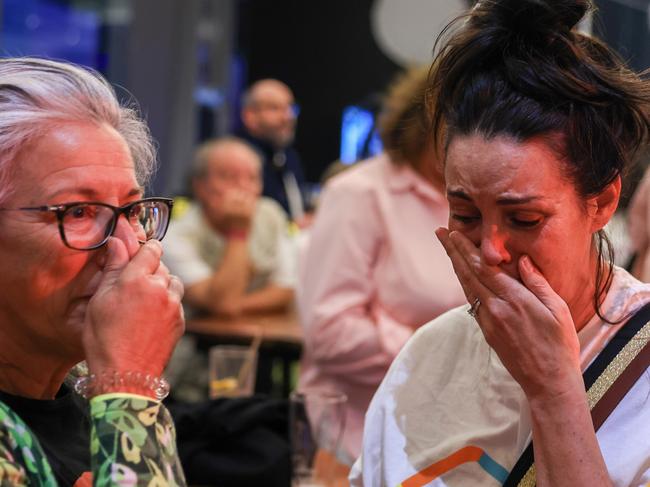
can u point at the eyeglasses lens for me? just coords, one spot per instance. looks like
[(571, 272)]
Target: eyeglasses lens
[(150, 219), (87, 226)]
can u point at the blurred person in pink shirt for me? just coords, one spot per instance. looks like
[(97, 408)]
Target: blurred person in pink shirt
[(638, 224), (373, 271)]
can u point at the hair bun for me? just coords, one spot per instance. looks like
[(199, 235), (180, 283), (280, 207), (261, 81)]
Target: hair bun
[(539, 19)]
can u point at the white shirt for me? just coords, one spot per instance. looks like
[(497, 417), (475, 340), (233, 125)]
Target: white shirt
[(193, 250), (447, 392)]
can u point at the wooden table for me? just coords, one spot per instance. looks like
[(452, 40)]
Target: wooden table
[(273, 327), (281, 336)]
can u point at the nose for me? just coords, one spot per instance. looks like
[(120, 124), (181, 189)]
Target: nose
[(493, 247), (127, 234)]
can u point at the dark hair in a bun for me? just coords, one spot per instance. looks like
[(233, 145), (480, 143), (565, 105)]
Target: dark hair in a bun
[(533, 19), (520, 68)]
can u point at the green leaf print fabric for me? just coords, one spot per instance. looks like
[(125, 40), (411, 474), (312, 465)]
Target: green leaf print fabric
[(133, 443)]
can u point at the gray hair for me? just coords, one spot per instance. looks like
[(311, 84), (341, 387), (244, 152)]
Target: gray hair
[(36, 94), (203, 152)]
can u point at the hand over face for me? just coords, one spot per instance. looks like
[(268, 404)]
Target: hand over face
[(135, 318), (527, 324), (234, 210)]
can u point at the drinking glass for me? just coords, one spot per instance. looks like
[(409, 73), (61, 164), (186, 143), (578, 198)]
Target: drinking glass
[(316, 424), (232, 370)]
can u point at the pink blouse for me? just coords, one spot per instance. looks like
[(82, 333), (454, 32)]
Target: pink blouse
[(373, 272)]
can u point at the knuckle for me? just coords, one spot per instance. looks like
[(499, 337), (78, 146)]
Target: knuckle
[(153, 248), (482, 271), (498, 311)]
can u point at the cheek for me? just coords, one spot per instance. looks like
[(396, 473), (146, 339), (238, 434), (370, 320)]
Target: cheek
[(58, 274), (39, 276), (561, 253)]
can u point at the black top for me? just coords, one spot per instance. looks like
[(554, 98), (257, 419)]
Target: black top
[(62, 426), (275, 163)]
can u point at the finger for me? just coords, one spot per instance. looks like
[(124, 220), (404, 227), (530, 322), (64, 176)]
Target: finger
[(470, 283), (116, 258), (145, 261), (493, 278), (443, 236), (537, 284), (176, 287), (163, 271)]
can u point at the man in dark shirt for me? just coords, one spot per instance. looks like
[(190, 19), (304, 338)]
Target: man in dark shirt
[(269, 121)]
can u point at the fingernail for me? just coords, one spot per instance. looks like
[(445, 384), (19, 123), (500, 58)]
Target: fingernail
[(526, 263), (155, 243)]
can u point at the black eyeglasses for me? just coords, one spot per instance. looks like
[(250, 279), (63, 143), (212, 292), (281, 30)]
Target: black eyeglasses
[(87, 225)]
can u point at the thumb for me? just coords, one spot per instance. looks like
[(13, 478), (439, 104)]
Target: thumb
[(116, 258), (539, 286)]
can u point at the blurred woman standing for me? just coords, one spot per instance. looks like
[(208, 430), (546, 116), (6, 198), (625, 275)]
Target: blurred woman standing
[(374, 271)]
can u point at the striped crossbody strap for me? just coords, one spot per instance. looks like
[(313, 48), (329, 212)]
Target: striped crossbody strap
[(607, 380)]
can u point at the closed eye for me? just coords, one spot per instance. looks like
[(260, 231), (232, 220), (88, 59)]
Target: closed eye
[(526, 223), (466, 219)]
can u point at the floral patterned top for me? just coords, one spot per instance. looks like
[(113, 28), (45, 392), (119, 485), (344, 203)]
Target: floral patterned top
[(133, 442)]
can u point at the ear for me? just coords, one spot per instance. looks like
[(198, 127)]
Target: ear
[(248, 117), (602, 207)]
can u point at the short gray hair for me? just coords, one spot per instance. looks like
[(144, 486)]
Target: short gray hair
[(36, 94), (203, 152)]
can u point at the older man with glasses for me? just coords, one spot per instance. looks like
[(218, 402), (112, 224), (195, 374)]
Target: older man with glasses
[(81, 280)]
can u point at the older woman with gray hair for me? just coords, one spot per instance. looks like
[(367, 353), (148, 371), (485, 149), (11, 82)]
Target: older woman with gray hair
[(81, 279)]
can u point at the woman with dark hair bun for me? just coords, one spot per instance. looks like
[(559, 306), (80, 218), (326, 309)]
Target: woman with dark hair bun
[(543, 378)]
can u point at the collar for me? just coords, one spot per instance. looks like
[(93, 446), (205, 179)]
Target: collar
[(264, 146), (403, 178)]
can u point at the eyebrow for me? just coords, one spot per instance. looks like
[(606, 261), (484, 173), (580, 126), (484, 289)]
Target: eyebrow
[(91, 193), (505, 201)]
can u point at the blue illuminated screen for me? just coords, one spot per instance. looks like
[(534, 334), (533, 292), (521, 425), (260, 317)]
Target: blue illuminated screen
[(359, 137)]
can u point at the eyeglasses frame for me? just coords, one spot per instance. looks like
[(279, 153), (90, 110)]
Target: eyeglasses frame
[(60, 210)]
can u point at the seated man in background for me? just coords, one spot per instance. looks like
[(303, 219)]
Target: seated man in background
[(269, 123), (231, 250)]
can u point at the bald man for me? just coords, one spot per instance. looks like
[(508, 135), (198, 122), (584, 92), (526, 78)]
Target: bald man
[(268, 117), (232, 250)]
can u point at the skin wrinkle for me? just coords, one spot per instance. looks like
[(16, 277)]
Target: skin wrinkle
[(60, 279), (483, 178), (489, 170)]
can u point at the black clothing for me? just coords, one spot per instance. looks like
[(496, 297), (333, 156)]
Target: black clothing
[(237, 442), (62, 426), (277, 162)]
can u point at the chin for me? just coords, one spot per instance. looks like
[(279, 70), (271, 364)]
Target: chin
[(286, 141)]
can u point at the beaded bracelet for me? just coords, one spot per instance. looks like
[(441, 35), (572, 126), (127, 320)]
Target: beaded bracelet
[(93, 385)]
